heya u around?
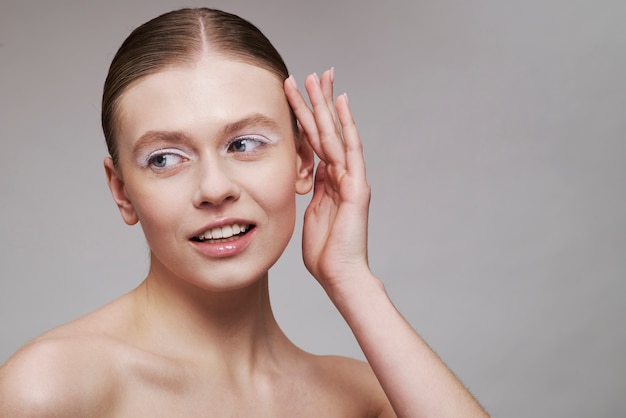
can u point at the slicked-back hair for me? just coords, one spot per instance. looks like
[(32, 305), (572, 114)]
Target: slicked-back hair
[(177, 38)]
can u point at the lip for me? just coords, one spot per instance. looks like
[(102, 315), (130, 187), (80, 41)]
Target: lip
[(228, 248)]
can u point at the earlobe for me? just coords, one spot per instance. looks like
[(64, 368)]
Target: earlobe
[(118, 191), (305, 166)]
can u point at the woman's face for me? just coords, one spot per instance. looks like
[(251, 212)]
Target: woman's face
[(209, 167)]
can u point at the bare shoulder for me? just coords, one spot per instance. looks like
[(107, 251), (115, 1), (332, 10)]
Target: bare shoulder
[(64, 373), (357, 382)]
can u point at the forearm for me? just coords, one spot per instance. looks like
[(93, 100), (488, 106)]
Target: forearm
[(413, 377)]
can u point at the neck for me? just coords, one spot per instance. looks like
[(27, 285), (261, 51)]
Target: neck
[(232, 327)]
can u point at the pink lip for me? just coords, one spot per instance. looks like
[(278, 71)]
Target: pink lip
[(228, 248)]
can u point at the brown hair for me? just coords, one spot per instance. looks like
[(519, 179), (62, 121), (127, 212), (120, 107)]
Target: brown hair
[(179, 37)]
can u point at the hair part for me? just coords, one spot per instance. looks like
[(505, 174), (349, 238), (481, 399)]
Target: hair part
[(177, 38)]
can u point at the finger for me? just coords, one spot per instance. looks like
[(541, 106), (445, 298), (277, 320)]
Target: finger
[(319, 185), (330, 139), (355, 162), (304, 115), (327, 83)]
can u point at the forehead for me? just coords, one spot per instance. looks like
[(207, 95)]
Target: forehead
[(201, 97)]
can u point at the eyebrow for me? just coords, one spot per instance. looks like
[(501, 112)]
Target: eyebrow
[(151, 138), (255, 119)]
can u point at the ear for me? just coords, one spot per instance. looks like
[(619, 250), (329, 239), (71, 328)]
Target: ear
[(118, 190), (305, 165)]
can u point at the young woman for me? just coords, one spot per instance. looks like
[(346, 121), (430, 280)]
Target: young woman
[(210, 140)]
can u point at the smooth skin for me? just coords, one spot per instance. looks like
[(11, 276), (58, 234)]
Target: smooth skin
[(198, 337), (414, 379)]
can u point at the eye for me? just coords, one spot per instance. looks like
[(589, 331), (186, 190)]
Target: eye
[(246, 144), (165, 159)]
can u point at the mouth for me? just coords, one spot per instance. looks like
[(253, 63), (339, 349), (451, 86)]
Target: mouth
[(224, 233)]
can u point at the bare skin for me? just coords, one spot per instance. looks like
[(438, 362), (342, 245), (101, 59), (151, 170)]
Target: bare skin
[(111, 364), (197, 339)]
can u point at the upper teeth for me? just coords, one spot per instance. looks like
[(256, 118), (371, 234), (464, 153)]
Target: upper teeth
[(223, 232)]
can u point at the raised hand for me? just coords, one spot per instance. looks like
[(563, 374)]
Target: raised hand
[(334, 242), (414, 379)]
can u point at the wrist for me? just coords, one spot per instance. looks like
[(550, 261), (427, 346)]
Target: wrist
[(360, 288)]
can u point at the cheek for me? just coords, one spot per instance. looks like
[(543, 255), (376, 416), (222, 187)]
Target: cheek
[(275, 193), (277, 188), (156, 209)]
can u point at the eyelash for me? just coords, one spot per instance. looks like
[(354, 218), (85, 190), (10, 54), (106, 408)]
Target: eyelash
[(150, 160), (259, 141)]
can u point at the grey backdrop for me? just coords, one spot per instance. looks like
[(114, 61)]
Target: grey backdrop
[(494, 136)]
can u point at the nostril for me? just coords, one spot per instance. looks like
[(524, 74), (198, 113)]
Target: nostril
[(215, 186), (217, 201)]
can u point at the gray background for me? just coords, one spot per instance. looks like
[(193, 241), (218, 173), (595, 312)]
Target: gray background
[(494, 137)]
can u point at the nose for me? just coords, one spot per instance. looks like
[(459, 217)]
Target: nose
[(215, 186)]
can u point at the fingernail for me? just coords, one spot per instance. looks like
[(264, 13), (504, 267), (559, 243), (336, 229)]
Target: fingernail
[(292, 81), (316, 77), (345, 95), (332, 74)]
